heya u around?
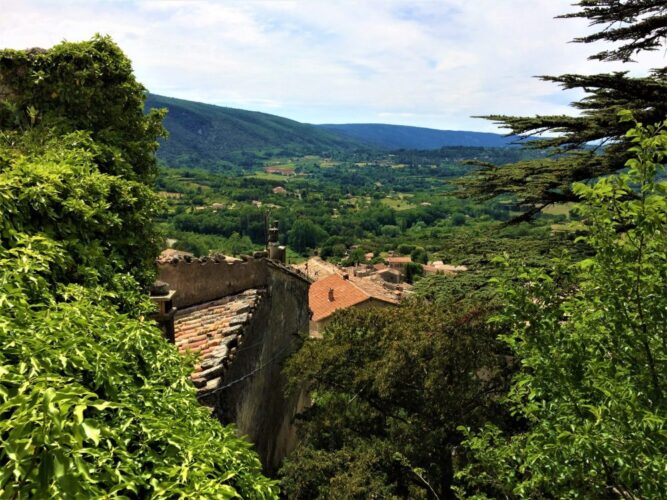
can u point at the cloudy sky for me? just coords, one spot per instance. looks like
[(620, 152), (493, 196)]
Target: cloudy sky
[(430, 63)]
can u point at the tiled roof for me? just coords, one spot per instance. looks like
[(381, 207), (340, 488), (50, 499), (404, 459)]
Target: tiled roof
[(398, 260), (168, 253), (317, 268), (346, 293), (435, 269), (375, 289), (214, 330), (388, 270), (447, 268)]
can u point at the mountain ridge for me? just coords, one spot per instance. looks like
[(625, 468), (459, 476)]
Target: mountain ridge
[(203, 134), (211, 136), (389, 136)]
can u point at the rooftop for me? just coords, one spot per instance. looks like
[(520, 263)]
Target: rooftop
[(214, 330), (334, 292), (169, 253), (398, 260)]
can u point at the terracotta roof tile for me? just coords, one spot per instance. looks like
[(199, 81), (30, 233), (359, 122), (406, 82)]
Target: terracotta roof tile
[(375, 289), (212, 330), (398, 260), (344, 293), (169, 253)]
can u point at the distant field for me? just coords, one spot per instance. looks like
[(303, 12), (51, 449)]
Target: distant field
[(559, 209), (399, 203), (270, 177), (327, 163)]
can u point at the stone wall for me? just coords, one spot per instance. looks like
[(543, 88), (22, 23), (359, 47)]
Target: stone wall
[(199, 280), (252, 389), (257, 404)]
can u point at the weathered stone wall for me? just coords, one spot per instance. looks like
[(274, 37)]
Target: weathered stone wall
[(209, 278), (257, 403), (251, 392)]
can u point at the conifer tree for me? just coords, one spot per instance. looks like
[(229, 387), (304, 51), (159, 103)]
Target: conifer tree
[(593, 142)]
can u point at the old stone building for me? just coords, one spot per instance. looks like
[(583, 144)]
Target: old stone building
[(242, 319), (336, 292)]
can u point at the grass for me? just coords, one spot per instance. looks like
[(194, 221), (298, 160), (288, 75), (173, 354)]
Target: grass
[(559, 209), (399, 203), (270, 177)]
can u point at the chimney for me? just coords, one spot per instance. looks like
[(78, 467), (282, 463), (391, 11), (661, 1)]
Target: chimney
[(276, 251), (331, 294)]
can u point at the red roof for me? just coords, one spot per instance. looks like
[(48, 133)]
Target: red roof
[(398, 260), (345, 295)]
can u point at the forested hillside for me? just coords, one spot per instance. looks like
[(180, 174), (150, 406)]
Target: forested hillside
[(404, 137), (203, 135)]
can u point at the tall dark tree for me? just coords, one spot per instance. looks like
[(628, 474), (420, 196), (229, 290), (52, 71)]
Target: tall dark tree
[(390, 388), (592, 143)]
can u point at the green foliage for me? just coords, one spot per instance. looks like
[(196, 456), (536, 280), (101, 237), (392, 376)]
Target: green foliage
[(591, 340), (639, 25), (389, 388), (419, 255), (93, 401), (412, 271), (356, 257), (305, 235), (203, 244), (85, 86), (540, 182), (103, 222)]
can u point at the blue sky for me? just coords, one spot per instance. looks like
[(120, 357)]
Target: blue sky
[(425, 63)]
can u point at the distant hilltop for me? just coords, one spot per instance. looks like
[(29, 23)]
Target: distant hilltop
[(405, 137), (205, 135)]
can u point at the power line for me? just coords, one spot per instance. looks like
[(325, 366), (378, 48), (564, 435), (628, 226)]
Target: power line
[(247, 375)]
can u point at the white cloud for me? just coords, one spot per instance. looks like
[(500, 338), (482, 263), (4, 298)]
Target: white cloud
[(428, 63)]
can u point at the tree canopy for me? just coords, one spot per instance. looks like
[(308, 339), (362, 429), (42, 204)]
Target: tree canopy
[(591, 340), (592, 142), (93, 401), (389, 387), (85, 86)]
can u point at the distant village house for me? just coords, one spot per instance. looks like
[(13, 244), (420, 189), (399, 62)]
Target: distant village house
[(336, 292)]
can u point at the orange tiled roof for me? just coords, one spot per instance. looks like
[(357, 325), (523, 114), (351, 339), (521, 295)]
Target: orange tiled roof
[(214, 330), (345, 295), (398, 260)]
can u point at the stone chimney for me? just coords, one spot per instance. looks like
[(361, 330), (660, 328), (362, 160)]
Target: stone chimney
[(276, 251), (331, 294)]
